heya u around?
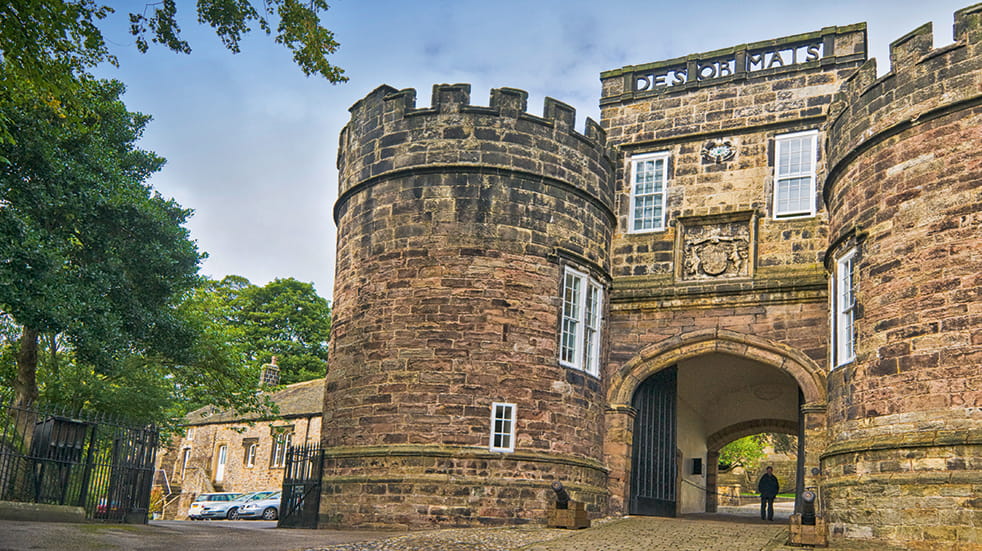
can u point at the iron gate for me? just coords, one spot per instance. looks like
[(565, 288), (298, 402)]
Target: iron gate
[(654, 467), (64, 458), (300, 504)]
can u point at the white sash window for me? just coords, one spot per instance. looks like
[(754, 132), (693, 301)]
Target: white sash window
[(794, 174), (649, 184), (579, 341)]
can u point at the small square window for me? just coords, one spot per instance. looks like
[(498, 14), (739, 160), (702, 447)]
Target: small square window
[(502, 427)]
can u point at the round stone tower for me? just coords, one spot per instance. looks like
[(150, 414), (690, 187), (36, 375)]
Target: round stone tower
[(446, 401), (905, 206)]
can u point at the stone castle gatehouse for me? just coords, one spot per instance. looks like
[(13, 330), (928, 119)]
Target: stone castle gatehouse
[(766, 238)]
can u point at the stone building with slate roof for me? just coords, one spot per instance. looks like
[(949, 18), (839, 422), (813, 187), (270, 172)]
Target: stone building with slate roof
[(227, 452)]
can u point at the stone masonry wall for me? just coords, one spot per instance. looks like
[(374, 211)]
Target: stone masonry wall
[(454, 225), (745, 111), (777, 289), (903, 188), (781, 294), (800, 325)]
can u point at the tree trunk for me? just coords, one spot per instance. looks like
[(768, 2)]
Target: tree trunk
[(53, 354), (26, 384)]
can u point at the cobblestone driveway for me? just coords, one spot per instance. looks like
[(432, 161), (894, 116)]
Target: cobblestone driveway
[(647, 533), (695, 533), (691, 533)]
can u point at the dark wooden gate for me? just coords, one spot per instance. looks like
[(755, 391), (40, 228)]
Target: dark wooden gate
[(300, 503), (654, 468)]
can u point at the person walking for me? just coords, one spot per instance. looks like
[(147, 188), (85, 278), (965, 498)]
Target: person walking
[(767, 487)]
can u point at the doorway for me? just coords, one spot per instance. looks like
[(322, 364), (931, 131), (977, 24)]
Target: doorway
[(724, 382), (654, 465)]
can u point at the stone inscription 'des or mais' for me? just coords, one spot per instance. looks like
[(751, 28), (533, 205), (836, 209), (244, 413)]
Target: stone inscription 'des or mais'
[(709, 69)]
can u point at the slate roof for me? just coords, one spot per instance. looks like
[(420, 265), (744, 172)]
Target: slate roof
[(304, 399)]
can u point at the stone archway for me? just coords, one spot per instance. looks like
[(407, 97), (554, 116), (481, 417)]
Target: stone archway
[(809, 376), (736, 431), (724, 436)]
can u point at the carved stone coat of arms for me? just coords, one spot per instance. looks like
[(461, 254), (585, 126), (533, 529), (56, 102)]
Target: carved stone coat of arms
[(716, 248)]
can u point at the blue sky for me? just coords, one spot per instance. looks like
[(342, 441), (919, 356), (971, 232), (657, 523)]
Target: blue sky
[(251, 143)]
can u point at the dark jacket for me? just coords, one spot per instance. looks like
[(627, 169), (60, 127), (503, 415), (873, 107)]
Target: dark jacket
[(768, 486)]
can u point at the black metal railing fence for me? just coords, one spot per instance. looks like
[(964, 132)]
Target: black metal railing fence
[(53, 456)]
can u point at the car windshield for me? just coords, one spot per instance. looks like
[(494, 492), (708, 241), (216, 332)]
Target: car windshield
[(257, 496), (217, 497), (271, 496)]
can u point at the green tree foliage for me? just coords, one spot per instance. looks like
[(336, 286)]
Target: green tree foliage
[(44, 39), (285, 318), (749, 453), (98, 272), (145, 387), (746, 452), (220, 373), (48, 46), (86, 248)]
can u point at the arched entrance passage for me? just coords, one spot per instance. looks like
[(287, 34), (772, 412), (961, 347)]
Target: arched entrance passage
[(724, 436), (713, 345)]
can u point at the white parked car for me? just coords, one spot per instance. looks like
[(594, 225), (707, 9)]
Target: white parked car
[(207, 506), (243, 500), (267, 508)]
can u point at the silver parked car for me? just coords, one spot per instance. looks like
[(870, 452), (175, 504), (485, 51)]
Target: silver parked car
[(233, 510), (267, 508), (207, 506)]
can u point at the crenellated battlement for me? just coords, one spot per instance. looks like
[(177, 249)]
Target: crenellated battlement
[(923, 81), (916, 47), (455, 98), (389, 134)]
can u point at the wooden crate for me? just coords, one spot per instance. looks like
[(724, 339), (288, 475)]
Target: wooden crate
[(574, 517), (804, 534)]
